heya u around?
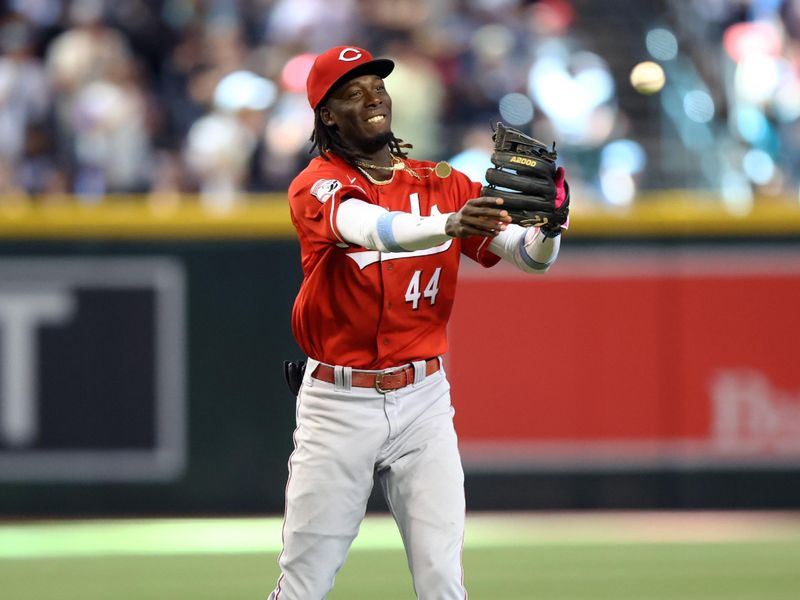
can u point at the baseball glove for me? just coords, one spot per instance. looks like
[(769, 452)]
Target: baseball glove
[(525, 176)]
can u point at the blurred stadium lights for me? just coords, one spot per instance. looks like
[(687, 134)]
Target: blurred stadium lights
[(661, 44), (620, 160), (750, 38), (624, 155), (243, 90), (737, 194), (751, 124), (695, 135), (698, 106), (787, 99), (758, 166), (516, 109), (757, 78), (617, 186), (570, 89)]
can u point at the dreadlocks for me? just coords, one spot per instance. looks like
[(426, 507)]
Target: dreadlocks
[(326, 139)]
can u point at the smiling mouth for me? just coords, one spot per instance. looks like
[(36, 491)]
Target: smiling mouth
[(376, 119)]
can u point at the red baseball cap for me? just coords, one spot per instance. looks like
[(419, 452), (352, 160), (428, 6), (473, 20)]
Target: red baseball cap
[(337, 65)]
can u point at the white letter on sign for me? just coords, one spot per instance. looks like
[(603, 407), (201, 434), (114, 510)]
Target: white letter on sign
[(21, 313)]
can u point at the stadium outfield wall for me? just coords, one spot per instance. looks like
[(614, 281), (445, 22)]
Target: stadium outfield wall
[(141, 347)]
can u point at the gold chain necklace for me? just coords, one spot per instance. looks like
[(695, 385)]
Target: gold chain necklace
[(442, 170), (363, 168), (398, 165)]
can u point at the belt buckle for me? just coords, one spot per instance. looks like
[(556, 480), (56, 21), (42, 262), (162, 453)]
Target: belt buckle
[(378, 377)]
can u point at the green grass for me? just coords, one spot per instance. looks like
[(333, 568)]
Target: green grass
[(756, 571), (534, 564)]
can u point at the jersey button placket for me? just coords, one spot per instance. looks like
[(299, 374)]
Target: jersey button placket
[(388, 267)]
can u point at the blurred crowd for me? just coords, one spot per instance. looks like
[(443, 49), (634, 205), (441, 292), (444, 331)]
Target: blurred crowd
[(167, 97)]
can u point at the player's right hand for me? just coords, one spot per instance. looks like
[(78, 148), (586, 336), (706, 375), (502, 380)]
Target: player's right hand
[(480, 216)]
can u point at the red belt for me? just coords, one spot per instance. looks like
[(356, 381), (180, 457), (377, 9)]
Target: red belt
[(380, 380)]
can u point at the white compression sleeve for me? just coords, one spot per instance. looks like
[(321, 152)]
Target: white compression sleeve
[(527, 248), (376, 228)]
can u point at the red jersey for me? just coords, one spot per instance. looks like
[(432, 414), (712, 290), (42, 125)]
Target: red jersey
[(364, 308)]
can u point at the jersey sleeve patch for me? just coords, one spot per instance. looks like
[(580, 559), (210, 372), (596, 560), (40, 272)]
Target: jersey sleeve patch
[(323, 189)]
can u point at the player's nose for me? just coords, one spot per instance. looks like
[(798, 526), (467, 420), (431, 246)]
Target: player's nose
[(372, 99)]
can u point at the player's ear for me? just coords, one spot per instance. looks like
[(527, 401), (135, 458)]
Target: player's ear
[(326, 116)]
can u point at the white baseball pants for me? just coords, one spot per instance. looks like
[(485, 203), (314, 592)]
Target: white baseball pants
[(344, 435)]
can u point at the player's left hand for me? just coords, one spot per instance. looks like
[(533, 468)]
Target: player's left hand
[(482, 216)]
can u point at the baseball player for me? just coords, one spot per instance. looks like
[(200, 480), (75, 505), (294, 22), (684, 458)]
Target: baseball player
[(381, 236)]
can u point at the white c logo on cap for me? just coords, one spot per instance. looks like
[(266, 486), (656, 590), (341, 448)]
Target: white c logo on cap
[(356, 54)]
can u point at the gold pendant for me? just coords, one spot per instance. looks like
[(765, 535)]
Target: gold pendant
[(442, 169)]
